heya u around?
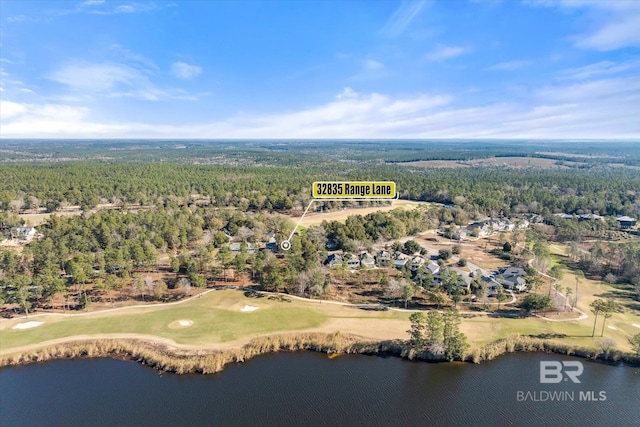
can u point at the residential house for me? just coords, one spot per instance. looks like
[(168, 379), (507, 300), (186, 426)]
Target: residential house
[(272, 246), (479, 229), (237, 246), (400, 259), (434, 268), (333, 261), (331, 245), (536, 219), (383, 258), (353, 261), (513, 278), (271, 243), (456, 233), (626, 222), (500, 225), (26, 233), (492, 286), (563, 215), (367, 260), (589, 217), (416, 262)]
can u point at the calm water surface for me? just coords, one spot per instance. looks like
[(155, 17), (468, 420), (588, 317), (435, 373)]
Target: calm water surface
[(307, 388)]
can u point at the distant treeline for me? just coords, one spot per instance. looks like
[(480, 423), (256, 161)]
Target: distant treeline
[(306, 152), (493, 191)]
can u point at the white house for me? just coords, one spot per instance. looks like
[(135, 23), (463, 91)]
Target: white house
[(400, 259), (433, 268), (366, 260), (383, 258), (353, 261), (416, 262), (26, 233)]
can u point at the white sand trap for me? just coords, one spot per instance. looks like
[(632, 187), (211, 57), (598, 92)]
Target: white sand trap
[(183, 323), (612, 327), (635, 325), (27, 325), (249, 308)]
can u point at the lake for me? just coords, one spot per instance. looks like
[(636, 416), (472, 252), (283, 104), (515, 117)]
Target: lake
[(307, 388)]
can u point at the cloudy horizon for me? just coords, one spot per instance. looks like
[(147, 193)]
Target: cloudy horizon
[(353, 70)]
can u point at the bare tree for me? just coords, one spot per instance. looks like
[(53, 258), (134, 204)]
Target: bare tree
[(303, 282), (245, 233), (393, 289), (185, 285), (605, 344), (610, 278), (149, 284)]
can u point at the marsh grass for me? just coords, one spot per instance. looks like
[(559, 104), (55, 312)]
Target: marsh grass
[(181, 361), (517, 343)]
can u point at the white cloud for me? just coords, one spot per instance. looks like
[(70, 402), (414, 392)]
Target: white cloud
[(101, 77), (371, 64), (613, 23), (10, 109), (509, 65), (182, 70), (129, 8), (617, 24), (126, 8), (43, 120), (370, 69), (598, 69), (92, 2), (402, 17), (113, 80), (17, 18), (132, 58), (347, 92), (446, 52), (597, 109)]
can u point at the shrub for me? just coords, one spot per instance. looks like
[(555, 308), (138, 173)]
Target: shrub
[(445, 254)]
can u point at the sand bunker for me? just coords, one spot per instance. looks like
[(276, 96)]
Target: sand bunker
[(612, 327), (635, 325), (183, 323), (249, 308), (27, 325)]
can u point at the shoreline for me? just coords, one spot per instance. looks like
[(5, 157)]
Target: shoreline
[(163, 356)]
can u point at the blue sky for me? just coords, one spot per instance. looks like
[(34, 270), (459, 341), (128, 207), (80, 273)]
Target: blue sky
[(320, 69)]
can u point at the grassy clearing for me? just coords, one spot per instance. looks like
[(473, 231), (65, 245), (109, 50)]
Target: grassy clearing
[(216, 319), (210, 325), (312, 218)]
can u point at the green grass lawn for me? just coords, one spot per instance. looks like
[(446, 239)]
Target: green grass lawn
[(210, 324), (217, 319)]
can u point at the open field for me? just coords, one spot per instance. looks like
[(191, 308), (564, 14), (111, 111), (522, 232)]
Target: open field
[(218, 321), (39, 216), (475, 251), (313, 218), (510, 162), (35, 219)]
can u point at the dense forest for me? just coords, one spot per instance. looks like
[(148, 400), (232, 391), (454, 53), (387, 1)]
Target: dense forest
[(177, 204), (487, 190)]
